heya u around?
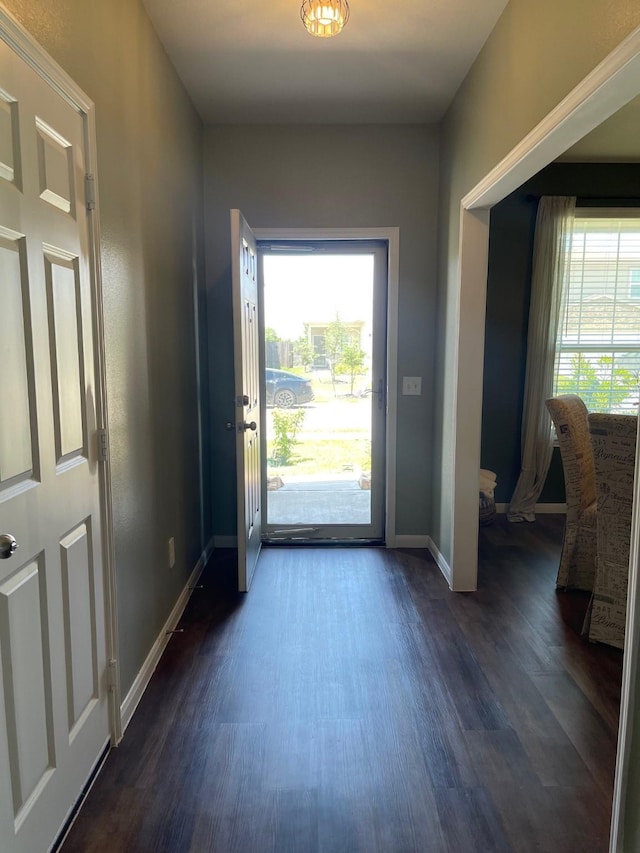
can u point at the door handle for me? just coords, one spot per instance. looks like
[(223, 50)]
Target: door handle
[(379, 393), (8, 546), (242, 427)]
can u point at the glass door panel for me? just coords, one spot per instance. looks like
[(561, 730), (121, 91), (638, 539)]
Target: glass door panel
[(324, 352)]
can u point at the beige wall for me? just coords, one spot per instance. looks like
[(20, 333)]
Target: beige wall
[(616, 140), (149, 174), (330, 177)]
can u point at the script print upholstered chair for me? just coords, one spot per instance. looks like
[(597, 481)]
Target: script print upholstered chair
[(578, 559), (613, 439)]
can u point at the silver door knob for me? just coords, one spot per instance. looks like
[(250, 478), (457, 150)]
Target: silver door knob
[(253, 426), (8, 546)]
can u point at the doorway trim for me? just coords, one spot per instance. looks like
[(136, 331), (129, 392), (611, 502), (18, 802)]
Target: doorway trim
[(392, 237), (611, 85), (20, 40)]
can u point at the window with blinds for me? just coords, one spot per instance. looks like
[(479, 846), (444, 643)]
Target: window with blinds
[(598, 346)]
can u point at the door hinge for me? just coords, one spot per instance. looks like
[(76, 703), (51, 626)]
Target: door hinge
[(103, 444), (90, 192), (112, 675)]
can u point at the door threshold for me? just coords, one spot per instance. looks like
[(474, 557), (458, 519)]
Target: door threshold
[(342, 543)]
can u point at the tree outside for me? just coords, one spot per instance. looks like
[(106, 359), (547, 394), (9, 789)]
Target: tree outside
[(351, 364), (335, 340), (603, 385), (303, 351)]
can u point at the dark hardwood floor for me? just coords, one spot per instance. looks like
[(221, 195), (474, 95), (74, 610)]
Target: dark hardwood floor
[(351, 702)]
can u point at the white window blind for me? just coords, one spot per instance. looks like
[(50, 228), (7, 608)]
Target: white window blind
[(598, 346)]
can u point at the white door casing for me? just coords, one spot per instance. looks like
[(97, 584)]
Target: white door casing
[(244, 271), (54, 695)]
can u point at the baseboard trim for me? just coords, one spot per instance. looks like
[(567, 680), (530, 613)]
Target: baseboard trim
[(225, 541), (442, 564), (410, 541), (133, 697), (540, 509)]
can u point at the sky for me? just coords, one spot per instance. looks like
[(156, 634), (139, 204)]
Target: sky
[(312, 288)]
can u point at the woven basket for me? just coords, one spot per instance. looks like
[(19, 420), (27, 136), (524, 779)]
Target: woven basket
[(487, 508)]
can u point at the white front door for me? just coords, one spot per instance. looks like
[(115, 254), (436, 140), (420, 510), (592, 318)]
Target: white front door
[(53, 691), (244, 269)]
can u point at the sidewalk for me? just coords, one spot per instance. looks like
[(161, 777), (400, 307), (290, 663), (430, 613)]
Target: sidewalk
[(312, 500)]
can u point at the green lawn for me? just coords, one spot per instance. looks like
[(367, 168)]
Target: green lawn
[(334, 436), (313, 456)]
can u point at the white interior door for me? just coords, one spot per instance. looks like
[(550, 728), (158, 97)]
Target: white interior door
[(53, 692), (244, 269)]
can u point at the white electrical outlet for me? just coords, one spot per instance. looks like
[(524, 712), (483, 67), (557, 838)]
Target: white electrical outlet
[(172, 552), (412, 385)]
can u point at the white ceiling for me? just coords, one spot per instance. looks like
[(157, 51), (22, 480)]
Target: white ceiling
[(396, 61)]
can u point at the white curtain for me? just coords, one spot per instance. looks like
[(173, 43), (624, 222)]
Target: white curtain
[(552, 243)]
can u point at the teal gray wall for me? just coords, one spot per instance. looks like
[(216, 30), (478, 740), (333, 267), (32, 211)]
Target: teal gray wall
[(150, 181), (329, 177), (508, 294)]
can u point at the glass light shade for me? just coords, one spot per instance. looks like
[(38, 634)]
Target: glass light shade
[(324, 18)]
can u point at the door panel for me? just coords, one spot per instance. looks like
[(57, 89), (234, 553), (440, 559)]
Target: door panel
[(9, 140), (244, 265), (26, 680), (65, 335), (78, 601), (16, 364), (53, 692), (55, 166)]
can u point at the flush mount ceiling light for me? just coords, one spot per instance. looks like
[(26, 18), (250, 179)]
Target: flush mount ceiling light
[(324, 18)]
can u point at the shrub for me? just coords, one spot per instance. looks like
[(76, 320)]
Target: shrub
[(286, 425)]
